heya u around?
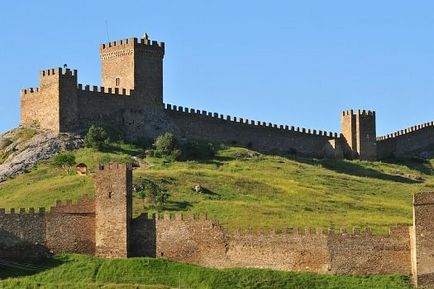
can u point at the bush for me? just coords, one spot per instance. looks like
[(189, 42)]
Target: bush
[(65, 161), (5, 142), (149, 191), (166, 145), (96, 137), (198, 150)]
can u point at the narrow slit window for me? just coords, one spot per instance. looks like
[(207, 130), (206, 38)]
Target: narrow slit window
[(118, 81)]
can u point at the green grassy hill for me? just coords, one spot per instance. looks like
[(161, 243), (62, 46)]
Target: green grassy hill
[(246, 189), (84, 272)]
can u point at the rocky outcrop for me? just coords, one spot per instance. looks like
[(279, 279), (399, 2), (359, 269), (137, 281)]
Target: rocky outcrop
[(20, 153)]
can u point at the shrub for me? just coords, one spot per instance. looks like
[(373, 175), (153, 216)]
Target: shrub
[(65, 161), (166, 145), (96, 137), (150, 191), (194, 149), (5, 142)]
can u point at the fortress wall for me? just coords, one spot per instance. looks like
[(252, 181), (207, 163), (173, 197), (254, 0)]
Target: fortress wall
[(197, 241), (260, 136), (27, 226), (205, 242), (361, 253), (119, 109), (70, 227), (298, 251), (143, 238), (400, 143)]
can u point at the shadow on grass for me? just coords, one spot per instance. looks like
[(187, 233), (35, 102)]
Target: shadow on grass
[(210, 194), (21, 268), (354, 169), (420, 165), (177, 205), (117, 149)]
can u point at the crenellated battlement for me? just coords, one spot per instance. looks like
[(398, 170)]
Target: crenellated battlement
[(406, 131), (358, 112), (58, 71), (342, 232), (29, 91), (105, 90), (130, 42), (115, 166), (84, 204), (244, 121), (166, 217), (21, 212)]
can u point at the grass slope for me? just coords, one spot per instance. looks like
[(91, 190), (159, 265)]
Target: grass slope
[(245, 189), (77, 271)]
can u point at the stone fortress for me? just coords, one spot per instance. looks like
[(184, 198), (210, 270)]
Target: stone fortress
[(104, 226), (131, 100)]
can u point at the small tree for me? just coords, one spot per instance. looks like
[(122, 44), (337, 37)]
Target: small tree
[(65, 161), (96, 137), (167, 145), (148, 190)]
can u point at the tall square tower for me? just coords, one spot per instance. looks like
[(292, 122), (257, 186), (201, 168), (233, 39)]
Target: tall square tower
[(134, 64), (359, 132), (113, 210)]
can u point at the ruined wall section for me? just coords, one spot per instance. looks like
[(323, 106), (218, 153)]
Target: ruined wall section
[(70, 227), (261, 136), (400, 143)]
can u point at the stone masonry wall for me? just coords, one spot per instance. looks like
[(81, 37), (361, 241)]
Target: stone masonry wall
[(422, 239), (400, 143), (298, 251), (363, 253), (113, 207), (204, 242), (256, 135), (27, 226), (70, 227)]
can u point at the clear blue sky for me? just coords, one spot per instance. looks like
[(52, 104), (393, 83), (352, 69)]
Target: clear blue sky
[(289, 62)]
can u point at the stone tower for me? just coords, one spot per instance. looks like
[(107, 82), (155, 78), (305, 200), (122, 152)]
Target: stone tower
[(359, 133), (422, 234), (134, 64), (54, 104), (113, 210)]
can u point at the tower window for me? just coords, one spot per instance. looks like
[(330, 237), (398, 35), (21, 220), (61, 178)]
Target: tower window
[(110, 195), (118, 81)]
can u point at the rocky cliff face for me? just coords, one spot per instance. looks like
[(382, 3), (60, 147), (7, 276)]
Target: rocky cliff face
[(22, 148)]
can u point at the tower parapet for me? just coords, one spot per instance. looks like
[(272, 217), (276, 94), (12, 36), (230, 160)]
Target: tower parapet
[(359, 134)]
